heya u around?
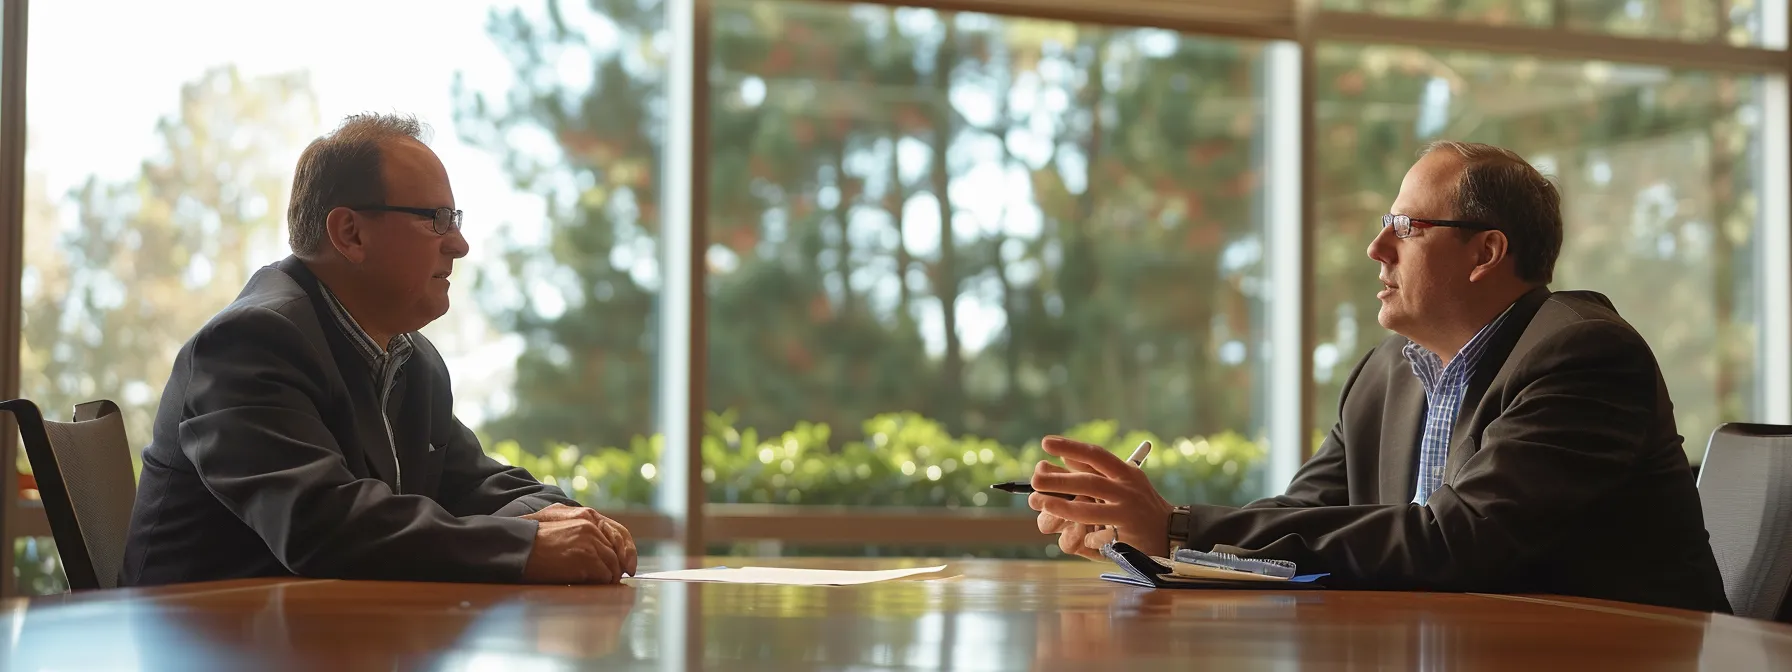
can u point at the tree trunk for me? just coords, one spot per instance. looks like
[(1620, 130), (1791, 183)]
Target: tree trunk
[(843, 215), (951, 400)]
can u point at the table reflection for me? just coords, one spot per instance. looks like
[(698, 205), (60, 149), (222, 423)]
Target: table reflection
[(991, 615), (322, 625)]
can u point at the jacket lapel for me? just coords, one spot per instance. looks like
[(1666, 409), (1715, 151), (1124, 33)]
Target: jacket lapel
[(1463, 439), (370, 430), (1402, 425), (369, 443), (412, 418)]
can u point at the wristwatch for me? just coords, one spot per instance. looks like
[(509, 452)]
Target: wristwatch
[(1178, 527)]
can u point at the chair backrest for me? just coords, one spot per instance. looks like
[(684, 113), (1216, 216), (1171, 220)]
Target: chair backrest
[(84, 476), (1745, 489)]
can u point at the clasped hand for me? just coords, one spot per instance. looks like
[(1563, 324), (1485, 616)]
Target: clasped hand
[(1110, 492), (574, 544)]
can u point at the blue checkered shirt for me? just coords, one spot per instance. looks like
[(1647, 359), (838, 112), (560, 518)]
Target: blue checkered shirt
[(1444, 389)]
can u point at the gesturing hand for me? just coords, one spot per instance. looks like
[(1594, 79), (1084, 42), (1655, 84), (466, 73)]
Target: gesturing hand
[(1109, 492)]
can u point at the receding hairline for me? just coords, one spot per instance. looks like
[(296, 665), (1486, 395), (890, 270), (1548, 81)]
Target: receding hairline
[(1473, 153)]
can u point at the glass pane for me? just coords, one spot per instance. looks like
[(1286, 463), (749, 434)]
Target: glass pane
[(936, 237), (144, 219), (1660, 179), (1497, 12)]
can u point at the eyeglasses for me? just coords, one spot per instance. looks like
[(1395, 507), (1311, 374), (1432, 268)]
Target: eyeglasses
[(442, 220), (1403, 225)]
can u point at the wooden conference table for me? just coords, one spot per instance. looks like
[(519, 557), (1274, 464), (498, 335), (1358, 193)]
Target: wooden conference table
[(992, 615)]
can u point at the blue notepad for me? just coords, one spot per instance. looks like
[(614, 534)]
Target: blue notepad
[(1140, 569)]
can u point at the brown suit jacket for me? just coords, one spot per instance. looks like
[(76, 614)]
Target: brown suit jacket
[(1565, 475)]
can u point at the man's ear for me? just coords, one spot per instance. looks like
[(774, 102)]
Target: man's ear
[(343, 226), (1490, 251)]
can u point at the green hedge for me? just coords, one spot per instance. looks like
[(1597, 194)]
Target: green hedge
[(907, 460)]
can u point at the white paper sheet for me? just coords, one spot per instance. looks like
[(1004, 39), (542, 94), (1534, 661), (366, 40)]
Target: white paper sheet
[(785, 576)]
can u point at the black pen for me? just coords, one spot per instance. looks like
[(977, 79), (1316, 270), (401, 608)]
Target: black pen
[(1026, 487)]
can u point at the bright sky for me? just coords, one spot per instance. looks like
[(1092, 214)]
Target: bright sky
[(97, 87)]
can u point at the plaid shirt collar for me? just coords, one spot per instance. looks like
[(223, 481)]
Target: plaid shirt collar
[(1445, 387), (396, 352)]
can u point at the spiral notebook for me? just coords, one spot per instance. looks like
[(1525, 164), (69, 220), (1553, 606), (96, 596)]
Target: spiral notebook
[(1141, 569)]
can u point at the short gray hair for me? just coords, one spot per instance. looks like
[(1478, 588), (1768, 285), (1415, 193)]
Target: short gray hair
[(341, 168), (1500, 188)]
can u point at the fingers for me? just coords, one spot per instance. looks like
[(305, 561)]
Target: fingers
[(1071, 465), (1050, 524), (1094, 540), (1070, 540), (1046, 467), (630, 557), (1074, 538), (1095, 486), (607, 565), (1080, 511), (623, 543), (1096, 458), (1079, 465), (1091, 553)]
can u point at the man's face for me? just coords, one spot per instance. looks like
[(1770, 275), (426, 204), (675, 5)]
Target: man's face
[(1427, 273), (407, 262)]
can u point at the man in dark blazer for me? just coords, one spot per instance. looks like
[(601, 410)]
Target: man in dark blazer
[(308, 429), (1506, 439)]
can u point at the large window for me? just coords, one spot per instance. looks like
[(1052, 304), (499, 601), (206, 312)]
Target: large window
[(937, 237), (1660, 175)]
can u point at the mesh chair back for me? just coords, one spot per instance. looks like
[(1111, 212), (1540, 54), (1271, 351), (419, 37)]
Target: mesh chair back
[(1745, 489)]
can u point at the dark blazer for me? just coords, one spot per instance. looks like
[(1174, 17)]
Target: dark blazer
[(1565, 475), (270, 458)]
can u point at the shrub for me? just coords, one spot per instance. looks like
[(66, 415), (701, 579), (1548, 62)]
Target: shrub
[(906, 460)]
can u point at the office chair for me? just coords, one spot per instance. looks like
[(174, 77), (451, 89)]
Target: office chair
[(84, 476), (1745, 489)]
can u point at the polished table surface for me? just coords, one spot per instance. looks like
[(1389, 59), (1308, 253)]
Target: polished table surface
[(989, 614)]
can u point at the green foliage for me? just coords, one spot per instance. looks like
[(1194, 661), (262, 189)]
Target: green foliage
[(906, 460), (36, 568)]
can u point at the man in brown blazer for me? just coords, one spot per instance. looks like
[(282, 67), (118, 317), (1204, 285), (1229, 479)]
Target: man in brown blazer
[(1506, 439)]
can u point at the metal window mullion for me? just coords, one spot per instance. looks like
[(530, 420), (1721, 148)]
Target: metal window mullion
[(1774, 224), (12, 245), (682, 339)]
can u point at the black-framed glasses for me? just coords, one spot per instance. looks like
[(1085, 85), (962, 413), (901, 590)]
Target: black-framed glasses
[(442, 220), (1403, 225)]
